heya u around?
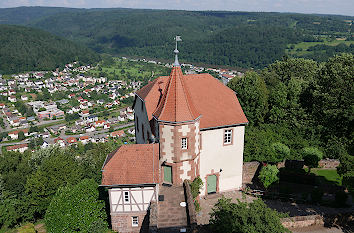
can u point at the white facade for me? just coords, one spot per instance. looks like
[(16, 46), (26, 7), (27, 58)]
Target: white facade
[(134, 199), (224, 160)]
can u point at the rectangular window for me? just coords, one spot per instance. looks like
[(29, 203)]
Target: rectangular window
[(227, 136), (135, 221), (184, 143), (126, 196)]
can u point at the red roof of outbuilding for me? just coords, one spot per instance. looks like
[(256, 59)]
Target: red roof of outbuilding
[(176, 104), (217, 103), (132, 164)]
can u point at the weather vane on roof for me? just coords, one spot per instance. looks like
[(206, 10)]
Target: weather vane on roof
[(177, 38)]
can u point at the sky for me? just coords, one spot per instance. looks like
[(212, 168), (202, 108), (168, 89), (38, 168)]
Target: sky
[(342, 7)]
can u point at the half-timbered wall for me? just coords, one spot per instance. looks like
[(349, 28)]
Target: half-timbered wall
[(139, 199)]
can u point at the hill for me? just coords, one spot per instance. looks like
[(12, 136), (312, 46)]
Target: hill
[(244, 39), (25, 15), (27, 49)]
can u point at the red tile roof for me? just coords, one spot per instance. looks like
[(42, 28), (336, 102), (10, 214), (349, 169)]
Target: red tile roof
[(84, 138), (176, 104), (118, 133), (132, 164), (18, 131), (217, 103), (15, 147), (71, 140)]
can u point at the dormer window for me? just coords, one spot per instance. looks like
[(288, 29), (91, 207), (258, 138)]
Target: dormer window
[(184, 143)]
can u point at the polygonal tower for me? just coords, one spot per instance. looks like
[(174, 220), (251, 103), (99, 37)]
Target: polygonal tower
[(178, 124)]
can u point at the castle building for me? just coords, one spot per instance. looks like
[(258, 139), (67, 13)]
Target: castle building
[(186, 126)]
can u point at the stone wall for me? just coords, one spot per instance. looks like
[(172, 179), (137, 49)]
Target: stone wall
[(248, 171), (302, 221), (329, 220), (328, 163), (324, 163), (192, 215), (153, 217), (122, 222)]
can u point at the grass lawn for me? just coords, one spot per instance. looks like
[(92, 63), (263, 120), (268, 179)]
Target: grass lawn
[(305, 45), (330, 175)]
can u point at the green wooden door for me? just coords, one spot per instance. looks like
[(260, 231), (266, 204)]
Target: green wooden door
[(167, 174), (211, 184)]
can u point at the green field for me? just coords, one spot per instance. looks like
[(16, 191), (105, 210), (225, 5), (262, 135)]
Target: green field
[(128, 70), (305, 45), (330, 175)]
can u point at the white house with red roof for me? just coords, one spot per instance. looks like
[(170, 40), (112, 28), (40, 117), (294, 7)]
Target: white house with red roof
[(19, 148), (60, 142), (84, 139), (99, 123), (189, 126)]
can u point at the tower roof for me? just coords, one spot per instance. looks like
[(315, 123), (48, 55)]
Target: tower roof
[(176, 105)]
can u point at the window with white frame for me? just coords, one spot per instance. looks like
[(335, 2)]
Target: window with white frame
[(228, 136), (184, 143), (135, 221), (126, 196)]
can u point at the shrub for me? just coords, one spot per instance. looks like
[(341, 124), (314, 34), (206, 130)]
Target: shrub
[(341, 198), (312, 156), (228, 217), (268, 175), (28, 228), (280, 151), (76, 209), (196, 185)]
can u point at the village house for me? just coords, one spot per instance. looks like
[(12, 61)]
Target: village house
[(118, 133), (99, 123), (12, 98), (19, 148), (84, 139), (71, 140), (59, 141), (186, 126), (90, 128), (14, 134)]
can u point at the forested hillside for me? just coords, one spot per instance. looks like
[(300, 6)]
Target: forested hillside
[(27, 49), (298, 103), (244, 39), (24, 15)]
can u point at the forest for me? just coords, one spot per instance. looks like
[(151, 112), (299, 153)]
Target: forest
[(29, 49), (237, 39), (296, 104)]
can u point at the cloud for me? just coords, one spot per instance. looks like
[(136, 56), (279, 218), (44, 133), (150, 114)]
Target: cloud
[(345, 7)]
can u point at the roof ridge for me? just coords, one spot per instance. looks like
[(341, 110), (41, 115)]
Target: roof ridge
[(178, 99)]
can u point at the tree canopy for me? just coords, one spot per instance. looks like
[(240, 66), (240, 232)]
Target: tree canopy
[(28, 49), (245, 217), (77, 209)]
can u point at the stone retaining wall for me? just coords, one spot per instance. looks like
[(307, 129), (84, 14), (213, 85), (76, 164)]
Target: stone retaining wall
[(302, 221), (248, 172), (192, 214), (328, 163), (330, 220), (323, 163), (153, 219)]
